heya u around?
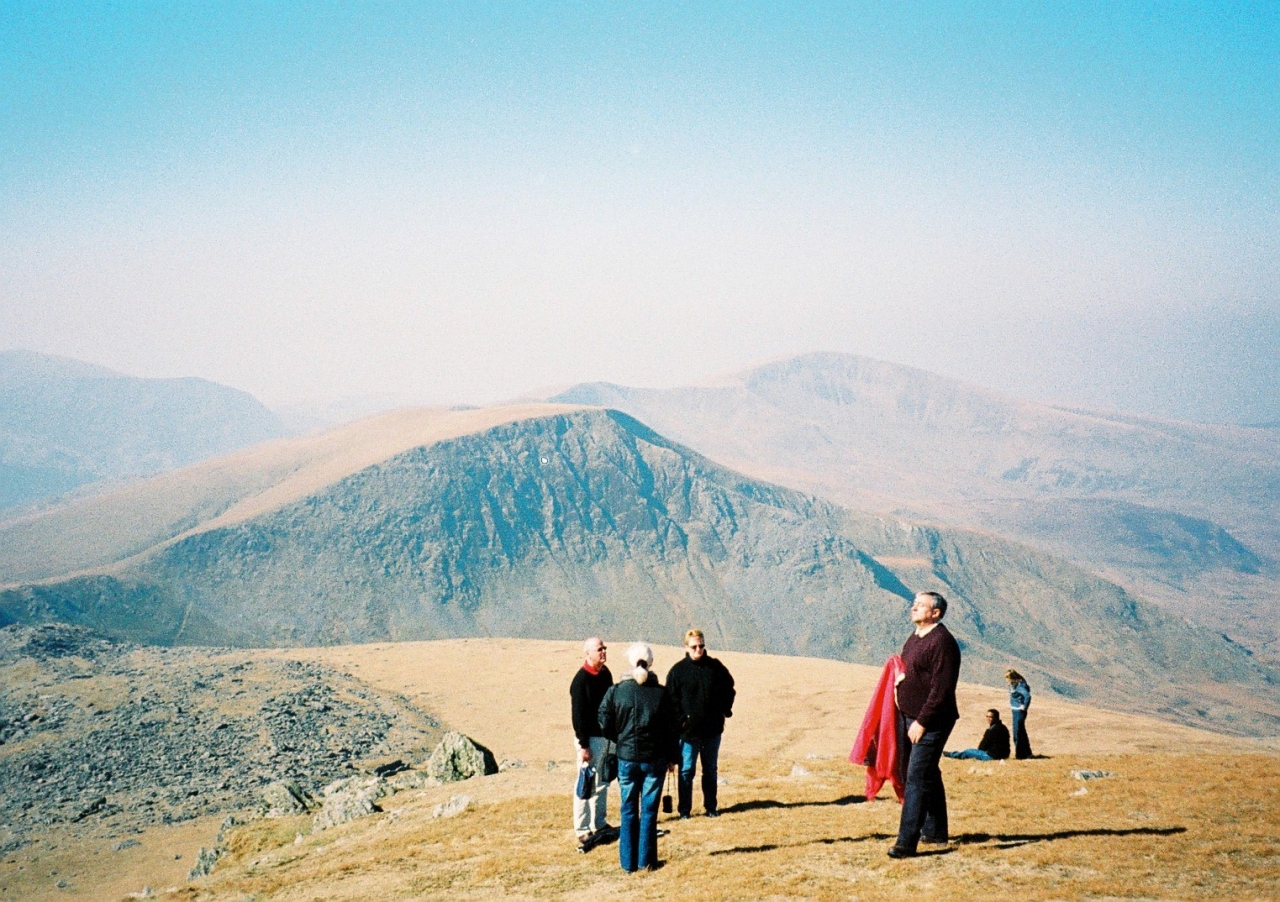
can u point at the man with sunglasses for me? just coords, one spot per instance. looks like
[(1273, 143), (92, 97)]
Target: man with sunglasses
[(702, 693)]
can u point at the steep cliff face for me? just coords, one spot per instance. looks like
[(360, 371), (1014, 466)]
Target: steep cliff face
[(589, 522), (543, 528)]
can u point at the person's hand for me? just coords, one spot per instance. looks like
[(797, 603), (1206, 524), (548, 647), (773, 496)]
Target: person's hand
[(584, 755), (915, 732)]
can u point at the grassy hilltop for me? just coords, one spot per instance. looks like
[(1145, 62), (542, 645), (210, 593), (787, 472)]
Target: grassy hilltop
[(1185, 814)]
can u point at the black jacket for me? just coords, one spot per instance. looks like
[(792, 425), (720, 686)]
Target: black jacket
[(995, 742), (638, 717), (702, 694), (585, 694)]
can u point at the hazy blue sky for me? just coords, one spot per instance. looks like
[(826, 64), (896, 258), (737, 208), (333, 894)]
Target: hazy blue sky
[(459, 202)]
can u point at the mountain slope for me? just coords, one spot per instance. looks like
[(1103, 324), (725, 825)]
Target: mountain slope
[(587, 521), (64, 424), (1188, 510), (106, 528)]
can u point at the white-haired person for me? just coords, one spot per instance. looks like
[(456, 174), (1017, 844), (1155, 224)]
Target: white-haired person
[(638, 716)]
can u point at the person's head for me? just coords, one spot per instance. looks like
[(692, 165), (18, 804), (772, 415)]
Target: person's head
[(695, 644), (1013, 677), (993, 716), (640, 656), (928, 608), (594, 652)]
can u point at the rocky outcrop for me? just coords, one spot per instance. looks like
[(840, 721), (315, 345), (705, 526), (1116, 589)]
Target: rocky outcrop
[(285, 798), (452, 808), (186, 733), (346, 800), (459, 758)]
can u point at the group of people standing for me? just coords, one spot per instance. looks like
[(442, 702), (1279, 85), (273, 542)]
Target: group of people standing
[(638, 730)]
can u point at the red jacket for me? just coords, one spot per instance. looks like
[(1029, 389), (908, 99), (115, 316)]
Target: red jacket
[(877, 742)]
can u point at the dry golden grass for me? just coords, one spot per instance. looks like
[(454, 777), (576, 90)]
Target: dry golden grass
[(513, 696), (1165, 826), (92, 869), (1188, 815)]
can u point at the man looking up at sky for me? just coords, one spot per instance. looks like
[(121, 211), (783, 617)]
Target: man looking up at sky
[(927, 710), (702, 691)]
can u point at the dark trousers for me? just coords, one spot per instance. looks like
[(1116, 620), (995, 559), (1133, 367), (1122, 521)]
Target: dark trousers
[(924, 807)]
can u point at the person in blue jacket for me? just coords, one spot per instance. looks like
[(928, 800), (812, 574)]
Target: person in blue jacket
[(1020, 703)]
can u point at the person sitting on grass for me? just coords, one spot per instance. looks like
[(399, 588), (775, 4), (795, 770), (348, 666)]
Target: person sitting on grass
[(995, 741)]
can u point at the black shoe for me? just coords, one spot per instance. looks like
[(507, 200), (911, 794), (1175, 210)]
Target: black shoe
[(930, 841), (900, 852), (685, 817), (713, 814)]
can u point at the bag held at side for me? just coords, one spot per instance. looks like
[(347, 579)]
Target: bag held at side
[(586, 787)]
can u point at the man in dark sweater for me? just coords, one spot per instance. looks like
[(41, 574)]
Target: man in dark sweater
[(995, 741), (587, 690), (927, 711), (701, 689)]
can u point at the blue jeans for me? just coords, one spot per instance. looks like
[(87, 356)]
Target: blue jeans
[(640, 786), (690, 751), (1021, 744), (975, 754), (924, 806)]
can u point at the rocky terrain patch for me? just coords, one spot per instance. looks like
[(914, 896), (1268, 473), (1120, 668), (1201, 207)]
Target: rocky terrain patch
[(112, 737)]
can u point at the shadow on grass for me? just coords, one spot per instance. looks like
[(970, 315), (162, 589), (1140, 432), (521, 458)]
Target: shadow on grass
[(760, 804), (1012, 840), (1003, 841), (825, 841)]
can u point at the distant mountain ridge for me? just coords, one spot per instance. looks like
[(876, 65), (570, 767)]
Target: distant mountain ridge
[(588, 521), (863, 427), (1188, 511), (65, 424), (110, 527)]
